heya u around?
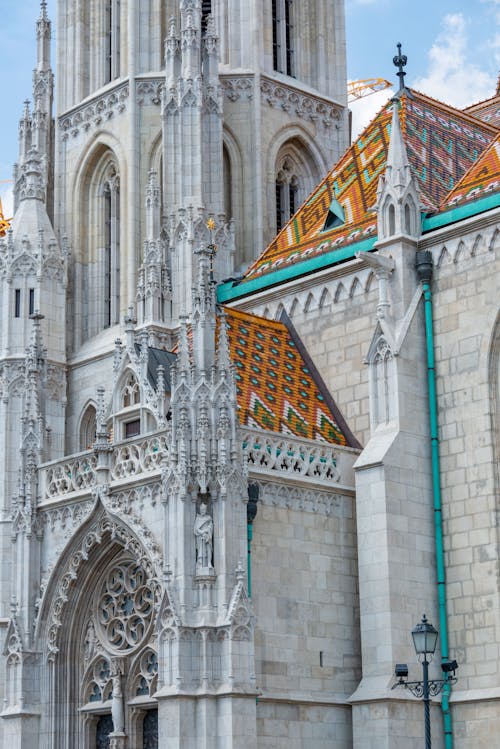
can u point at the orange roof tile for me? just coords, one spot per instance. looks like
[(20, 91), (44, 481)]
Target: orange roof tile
[(278, 387), (442, 143)]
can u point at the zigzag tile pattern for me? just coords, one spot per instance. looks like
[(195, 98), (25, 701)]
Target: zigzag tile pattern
[(276, 390), (442, 143), (482, 179)]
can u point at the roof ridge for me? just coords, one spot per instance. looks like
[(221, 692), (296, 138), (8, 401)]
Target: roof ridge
[(460, 112)]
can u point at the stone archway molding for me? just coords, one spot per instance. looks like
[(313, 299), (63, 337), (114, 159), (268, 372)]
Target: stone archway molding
[(102, 524)]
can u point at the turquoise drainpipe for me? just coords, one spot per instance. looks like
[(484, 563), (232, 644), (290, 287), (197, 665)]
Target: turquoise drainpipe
[(253, 498), (424, 272)]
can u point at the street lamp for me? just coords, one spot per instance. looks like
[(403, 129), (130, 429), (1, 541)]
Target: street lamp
[(424, 640)]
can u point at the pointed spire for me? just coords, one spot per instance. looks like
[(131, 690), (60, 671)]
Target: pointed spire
[(397, 193), (43, 35), (397, 157)]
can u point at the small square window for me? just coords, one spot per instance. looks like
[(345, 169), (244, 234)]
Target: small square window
[(132, 428)]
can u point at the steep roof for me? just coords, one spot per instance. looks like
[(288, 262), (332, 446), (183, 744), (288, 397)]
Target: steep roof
[(482, 179), (442, 143), (278, 386)]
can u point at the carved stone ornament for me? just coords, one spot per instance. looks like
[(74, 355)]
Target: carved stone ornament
[(238, 87), (302, 105), (124, 606), (94, 113)]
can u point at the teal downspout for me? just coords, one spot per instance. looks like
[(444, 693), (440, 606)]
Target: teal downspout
[(253, 498), (424, 271)]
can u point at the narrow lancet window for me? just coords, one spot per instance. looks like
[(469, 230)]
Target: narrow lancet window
[(111, 279), (112, 40), (282, 12)]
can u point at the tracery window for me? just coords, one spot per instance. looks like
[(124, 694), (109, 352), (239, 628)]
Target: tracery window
[(282, 36), (124, 606), (120, 674), (287, 193), (130, 394)]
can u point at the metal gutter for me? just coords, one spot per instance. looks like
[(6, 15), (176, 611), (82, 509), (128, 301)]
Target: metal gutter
[(424, 271)]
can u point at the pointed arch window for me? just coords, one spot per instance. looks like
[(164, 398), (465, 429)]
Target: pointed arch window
[(88, 428), (111, 260), (287, 191), (282, 21)]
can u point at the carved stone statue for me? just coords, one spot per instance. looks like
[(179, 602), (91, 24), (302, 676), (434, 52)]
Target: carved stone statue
[(117, 712), (204, 532)]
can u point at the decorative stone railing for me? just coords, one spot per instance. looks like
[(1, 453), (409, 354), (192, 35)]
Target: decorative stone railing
[(128, 460), (75, 474), (145, 455), (283, 458)]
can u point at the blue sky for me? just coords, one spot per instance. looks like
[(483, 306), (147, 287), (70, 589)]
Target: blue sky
[(453, 50)]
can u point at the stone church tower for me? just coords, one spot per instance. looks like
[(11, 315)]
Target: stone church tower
[(186, 134)]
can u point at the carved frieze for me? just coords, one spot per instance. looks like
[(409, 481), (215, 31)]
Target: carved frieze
[(94, 113), (298, 498), (302, 105)]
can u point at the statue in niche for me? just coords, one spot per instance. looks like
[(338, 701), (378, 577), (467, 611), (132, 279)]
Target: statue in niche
[(117, 712), (90, 645), (204, 533)]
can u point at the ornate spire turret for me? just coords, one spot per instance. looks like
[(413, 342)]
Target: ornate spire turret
[(397, 194)]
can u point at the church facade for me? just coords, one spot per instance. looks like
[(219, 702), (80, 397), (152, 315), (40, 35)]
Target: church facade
[(249, 412)]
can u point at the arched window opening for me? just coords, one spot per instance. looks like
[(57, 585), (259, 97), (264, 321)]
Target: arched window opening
[(88, 428), (130, 394), (111, 280), (111, 40), (287, 189), (296, 175), (392, 220), (408, 227), (282, 22)]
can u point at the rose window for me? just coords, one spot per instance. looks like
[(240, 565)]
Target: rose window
[(125, 605)]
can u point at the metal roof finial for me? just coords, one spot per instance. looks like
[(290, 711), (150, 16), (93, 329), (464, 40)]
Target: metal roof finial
[(400, 61)]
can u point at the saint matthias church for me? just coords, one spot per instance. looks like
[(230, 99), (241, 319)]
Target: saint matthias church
[(250, 391)]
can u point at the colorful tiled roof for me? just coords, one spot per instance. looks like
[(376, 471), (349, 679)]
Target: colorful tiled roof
[(487, 110), (278, 387), (482, 179), (442, 143)]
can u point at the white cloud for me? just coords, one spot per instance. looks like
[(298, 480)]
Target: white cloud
[(453, 77), (364, 110)]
